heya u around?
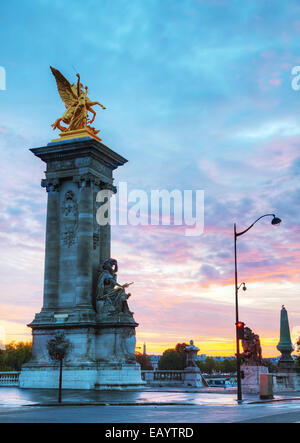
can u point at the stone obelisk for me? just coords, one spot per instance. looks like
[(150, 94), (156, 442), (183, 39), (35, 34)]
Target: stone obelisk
[(102, 347), (285, 346)]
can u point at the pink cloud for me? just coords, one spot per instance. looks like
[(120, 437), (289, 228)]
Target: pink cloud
[(275, 82)]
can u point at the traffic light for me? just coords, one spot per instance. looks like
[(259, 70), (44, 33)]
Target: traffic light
[(240, 327), (58, 356)]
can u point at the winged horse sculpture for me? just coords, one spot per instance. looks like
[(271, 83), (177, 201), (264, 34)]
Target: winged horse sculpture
[(78, 105)]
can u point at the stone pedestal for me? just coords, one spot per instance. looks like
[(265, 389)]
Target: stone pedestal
[(193, 377), (102, 351), (192, 373), (251, 378)]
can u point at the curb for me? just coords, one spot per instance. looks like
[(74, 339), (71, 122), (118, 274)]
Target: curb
[(245, 402), (273, 400), (110, 404)]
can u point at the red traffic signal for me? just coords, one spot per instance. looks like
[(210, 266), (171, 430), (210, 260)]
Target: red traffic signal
[(57, 356), (240, 327)]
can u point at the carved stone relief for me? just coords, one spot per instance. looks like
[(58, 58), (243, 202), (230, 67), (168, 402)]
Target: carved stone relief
[(69, 219)]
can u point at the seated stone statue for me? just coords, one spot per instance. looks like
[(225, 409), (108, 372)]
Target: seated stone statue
[(111, 297)]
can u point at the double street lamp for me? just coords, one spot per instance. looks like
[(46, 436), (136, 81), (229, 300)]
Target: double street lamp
[(238, 324)]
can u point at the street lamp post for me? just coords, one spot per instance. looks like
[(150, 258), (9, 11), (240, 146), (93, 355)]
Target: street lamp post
[(275, 221), (58, 348)]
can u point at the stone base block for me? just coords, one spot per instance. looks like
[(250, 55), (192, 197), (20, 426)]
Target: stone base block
[(251, 380), (48, 378), (286, 381), (192, 377), (98, 377), (119, 376)]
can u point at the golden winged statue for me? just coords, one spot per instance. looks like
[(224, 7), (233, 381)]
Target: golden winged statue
[(78, 106)]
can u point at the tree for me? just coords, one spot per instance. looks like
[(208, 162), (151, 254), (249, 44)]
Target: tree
[(202, 366), (297, 345), (144, 361), (227, 366), (14, 356), (210, 365), (180, 347), (173, 359)]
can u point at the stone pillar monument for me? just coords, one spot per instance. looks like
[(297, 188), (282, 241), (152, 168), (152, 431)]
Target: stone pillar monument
[(286, 376), (92, 313), (285, 347)]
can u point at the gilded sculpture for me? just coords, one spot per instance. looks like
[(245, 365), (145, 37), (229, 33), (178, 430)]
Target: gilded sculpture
[(78, 108)]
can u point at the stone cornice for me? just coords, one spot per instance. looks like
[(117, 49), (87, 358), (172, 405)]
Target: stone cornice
[(71, 325), (82, 147)]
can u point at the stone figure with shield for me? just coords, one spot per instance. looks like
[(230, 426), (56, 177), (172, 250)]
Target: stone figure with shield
[(111, 296)]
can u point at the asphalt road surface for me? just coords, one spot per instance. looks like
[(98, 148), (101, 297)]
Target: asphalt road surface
[(27, 406), (283, 412)]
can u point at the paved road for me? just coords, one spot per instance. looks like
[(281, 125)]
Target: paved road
[(265, 413), (16, 406), (10, 396)]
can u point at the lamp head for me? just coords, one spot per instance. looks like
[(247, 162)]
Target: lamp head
[(276, 221), (242, 285)]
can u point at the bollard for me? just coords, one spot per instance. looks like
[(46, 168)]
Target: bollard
[(266, 386)]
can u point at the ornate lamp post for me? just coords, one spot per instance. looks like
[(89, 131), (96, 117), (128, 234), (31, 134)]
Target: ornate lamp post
[(275, 221), (58, 348)]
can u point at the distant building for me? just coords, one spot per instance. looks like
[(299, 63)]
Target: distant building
[(221, 358), (203, 357), (154, 361)]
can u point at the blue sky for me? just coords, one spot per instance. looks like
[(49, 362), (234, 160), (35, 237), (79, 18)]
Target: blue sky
[(198, 96)]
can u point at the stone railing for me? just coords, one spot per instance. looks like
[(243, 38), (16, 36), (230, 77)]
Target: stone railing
[(157, 377), (169, 378), (286, 382), (9, 378)]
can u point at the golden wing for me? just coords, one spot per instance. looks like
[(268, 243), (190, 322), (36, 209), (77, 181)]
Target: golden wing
[(64, 88)]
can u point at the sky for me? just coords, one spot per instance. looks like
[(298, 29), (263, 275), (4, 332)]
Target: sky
[(199, 96)]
